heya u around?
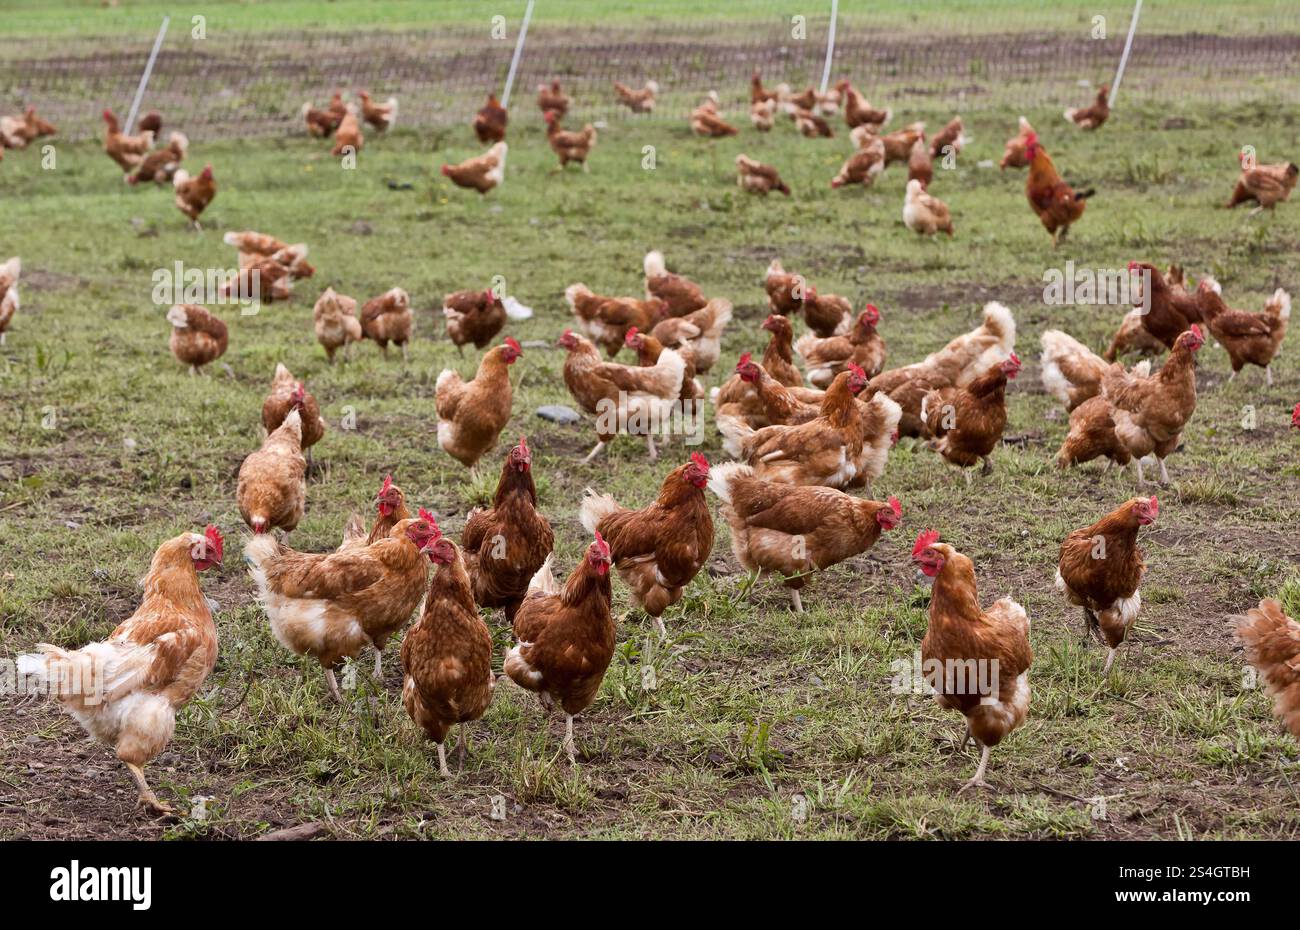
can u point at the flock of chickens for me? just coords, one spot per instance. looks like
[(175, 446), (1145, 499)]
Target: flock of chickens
[(802, 440), (1057, 205)]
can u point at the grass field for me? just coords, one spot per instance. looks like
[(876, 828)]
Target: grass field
[(36, 17), (108, 447)]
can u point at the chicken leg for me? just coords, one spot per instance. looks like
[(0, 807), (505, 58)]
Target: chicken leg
[(147, 797), (1110, 659), (442, 761), (463, 747), (569, 746), (978, 781), (1090, 624), (379, 664), (333, 685), (796, 601), (594, 452)]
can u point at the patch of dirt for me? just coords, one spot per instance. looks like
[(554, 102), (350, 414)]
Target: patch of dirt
[(926, 297)]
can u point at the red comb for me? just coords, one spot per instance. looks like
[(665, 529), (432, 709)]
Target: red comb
[(700, 461), (927, 539), (429, 518), (514, 344), (601, 546), (388, 484), (1197, 330), (523, 443), (857, 369), (1155, 505), (630, 337), (895, 506), (745, 359), (215, 540)]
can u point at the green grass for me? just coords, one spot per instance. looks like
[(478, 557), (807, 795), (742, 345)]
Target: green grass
[(753, 705), (66, 17)]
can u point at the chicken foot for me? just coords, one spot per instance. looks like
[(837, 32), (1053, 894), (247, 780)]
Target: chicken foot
[(147, 797), (978, 781)]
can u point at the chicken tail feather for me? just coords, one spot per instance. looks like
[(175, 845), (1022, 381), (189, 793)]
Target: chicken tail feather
[(596, 507), (721, 476), (544, 580), (1272, 641)]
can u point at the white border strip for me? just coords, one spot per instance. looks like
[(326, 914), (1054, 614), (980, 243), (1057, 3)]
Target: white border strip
[(830, 44), (144, 78), (1128, 47), (519, 50)]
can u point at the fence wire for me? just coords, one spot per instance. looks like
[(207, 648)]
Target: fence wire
[(254, 83)]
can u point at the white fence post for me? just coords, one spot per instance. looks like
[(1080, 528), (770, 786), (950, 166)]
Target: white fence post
[(519, 49), (144, 78), (830, 44), (1128, 47)]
